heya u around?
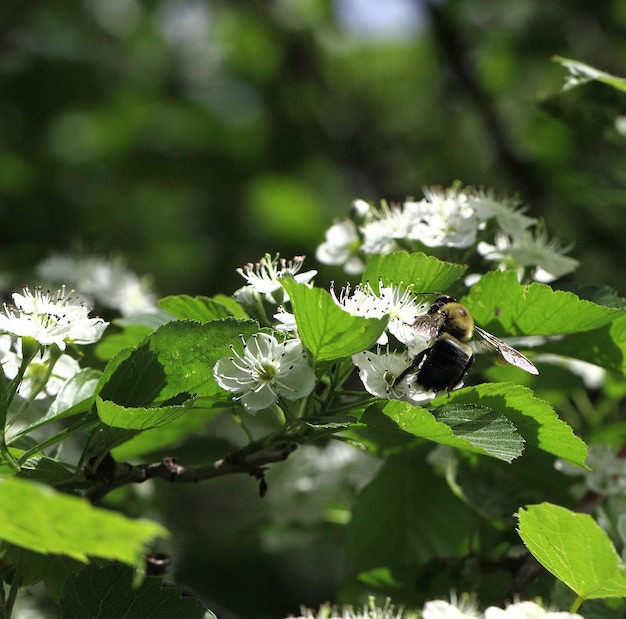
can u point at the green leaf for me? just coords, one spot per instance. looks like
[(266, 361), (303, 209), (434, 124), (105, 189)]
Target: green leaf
[(405, 516), (38, 518), (76, 396), (474, 428), (534, 419), (496, 492), (483, 427), (106, 592), (232, 305), (595, 333), (500, 304), (202, 309), (574, 548), (139, 418), (60, 568), (112, 344), (329, 423), (581, 73), (49, 471), (605, 347), (424, 273), (326, 330), (33, 565), (602, 295), (152, 320), (176, 359)]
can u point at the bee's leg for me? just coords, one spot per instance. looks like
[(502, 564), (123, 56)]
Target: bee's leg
[(413, 366)]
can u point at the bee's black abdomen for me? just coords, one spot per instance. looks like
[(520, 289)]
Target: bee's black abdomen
[(444, 365)]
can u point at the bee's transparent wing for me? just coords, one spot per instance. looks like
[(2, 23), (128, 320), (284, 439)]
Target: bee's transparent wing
[(485, 341), (429, 326)]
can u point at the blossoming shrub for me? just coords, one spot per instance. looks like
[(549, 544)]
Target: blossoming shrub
[(298, 366)]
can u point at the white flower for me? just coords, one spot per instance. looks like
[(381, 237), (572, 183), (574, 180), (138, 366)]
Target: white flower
[(370, 611), (264, 278), (267, 370), (403, 309), (286, 321), (109, 282), (130, 295), (379, 374), (440, 609), (506, 210), (606, 474), (444, 218), (34, 381), (341, 246), (386, 225), (360, 301), (394, 301), (5, 346), (530, 250), (359, 210), (50, 319), (526, 610)]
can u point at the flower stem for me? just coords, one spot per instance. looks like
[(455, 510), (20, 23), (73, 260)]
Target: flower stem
[(55, 353), (30, 348), (242, 425), (15, 586), (278, 414), (6, 454), (79, 424), (576, 604), (4, 409)]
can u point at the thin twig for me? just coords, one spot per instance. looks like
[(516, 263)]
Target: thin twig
[(111, 475)]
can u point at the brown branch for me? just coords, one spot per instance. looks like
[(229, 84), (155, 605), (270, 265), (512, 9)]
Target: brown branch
[(111, 475)]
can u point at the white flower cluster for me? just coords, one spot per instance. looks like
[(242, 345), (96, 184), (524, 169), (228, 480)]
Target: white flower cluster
[(264, 280), (606, 474), (45, 374), (453, 217), (438, 609), (269, 368), (52, 321), (315, 484), (50, 318), (379, 371), (108, 282), (399, 303), (370, 611)]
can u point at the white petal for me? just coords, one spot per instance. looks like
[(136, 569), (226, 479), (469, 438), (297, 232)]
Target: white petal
[(440, 609), (230, 376), (259, 399)]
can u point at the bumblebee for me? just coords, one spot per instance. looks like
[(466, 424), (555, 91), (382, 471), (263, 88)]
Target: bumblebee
[(449, 359)]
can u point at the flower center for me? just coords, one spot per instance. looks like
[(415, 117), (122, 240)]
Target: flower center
[(267, 371)]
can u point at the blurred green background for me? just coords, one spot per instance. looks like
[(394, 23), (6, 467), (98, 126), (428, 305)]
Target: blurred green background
[(193, 136)]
